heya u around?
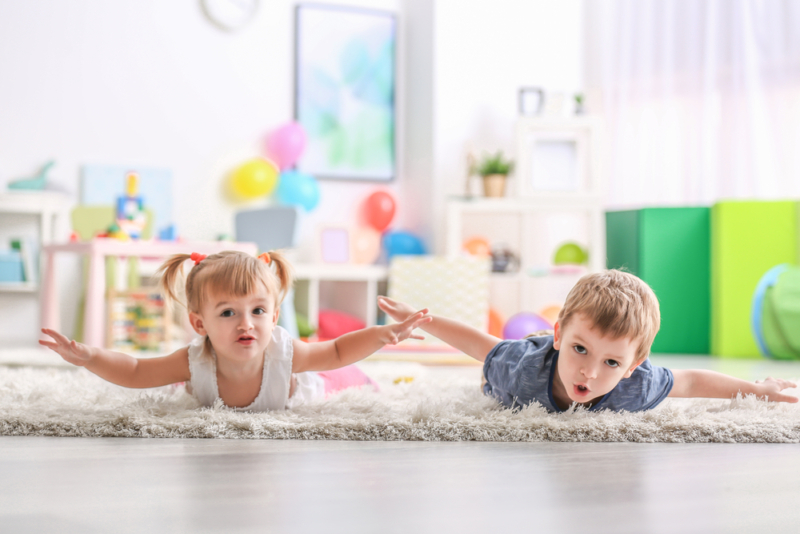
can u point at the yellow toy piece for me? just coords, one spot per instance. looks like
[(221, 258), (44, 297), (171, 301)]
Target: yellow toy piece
[(405, 379)]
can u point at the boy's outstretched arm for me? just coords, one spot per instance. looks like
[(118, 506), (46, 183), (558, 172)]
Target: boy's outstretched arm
[(710, 384), (461, 336), (120, 368)]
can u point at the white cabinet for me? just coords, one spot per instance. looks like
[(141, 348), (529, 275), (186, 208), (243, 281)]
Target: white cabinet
[(30, 213)]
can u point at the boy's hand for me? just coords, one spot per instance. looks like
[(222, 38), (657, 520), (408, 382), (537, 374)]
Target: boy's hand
[(399, 311), (395, 333), (72, 351), (771, 389)]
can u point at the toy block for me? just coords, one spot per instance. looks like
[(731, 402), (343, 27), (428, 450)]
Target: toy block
[(668, 248), (747, 239)]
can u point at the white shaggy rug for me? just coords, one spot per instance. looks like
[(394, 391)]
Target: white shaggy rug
[(438, 405)]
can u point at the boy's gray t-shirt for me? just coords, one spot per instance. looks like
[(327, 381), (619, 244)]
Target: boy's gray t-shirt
[(519, 372)]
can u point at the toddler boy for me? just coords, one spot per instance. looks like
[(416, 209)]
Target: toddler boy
[(596, 357)]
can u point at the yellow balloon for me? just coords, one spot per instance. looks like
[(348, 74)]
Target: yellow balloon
[(255, 178)]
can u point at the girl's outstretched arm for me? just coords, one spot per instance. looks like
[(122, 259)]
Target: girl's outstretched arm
[(120, 368), (354, 346), (710, 384), (463, 337)]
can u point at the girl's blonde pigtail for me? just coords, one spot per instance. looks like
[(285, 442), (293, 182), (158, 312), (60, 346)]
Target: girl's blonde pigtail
[(284, 272), (170, 272)]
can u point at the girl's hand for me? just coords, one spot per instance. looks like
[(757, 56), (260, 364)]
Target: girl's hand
[(771, 389), (399, 311), (72, 351), (395, 333)]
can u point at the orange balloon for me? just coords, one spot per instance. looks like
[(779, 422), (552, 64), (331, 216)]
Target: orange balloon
[(550, 313), (366, 245), (496, 323), (478, 246)]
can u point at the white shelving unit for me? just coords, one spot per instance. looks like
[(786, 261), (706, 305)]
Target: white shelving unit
[(44, 208), (532, 228), (352, 289), (558, 198)]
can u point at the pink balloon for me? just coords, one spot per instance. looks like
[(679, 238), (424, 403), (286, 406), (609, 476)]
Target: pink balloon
[(285, 145)]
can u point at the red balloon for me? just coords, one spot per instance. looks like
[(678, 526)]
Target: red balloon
[(379, 210)]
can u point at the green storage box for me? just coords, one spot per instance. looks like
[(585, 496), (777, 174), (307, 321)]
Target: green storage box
[(669, 248), (748, 239)]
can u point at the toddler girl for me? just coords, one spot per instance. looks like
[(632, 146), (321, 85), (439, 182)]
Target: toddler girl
[(242, 356)]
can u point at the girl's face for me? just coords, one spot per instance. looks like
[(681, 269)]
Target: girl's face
[(589, 363), (239, 328)]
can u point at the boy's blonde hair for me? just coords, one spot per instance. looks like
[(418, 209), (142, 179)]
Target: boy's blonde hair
[(619, 304), (229, 272)]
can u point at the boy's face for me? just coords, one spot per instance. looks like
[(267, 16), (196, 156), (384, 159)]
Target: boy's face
[(589, 363)]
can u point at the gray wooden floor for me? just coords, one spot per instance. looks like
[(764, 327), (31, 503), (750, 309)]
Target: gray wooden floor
[(135, 485)]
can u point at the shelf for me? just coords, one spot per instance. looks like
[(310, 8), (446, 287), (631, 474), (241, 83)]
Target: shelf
[(18, 287)]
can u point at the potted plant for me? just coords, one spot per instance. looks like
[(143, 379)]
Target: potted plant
[(494, 170)]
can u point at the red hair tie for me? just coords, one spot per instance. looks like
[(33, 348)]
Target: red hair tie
[(265, 257), (196, 257)]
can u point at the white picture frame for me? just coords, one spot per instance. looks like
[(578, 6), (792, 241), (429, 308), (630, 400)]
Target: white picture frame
[(557, 156)]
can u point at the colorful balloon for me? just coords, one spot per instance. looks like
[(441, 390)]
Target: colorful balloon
[(299, 189), (379, 210), (495, 323), (256, 177), (478, 246), (286, 144), (550, 313), (524, 324), (402, 243), (366, 245)]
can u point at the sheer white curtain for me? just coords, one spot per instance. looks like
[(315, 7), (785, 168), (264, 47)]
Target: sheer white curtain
[(701, 98)]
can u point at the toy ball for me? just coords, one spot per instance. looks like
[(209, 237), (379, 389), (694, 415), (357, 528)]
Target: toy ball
[(495, 323), (286, 144), (366, 245), (379, 210), (478, 246), (550, 313), (255, 178), (523, 324), (299, 189), (399, 243), (775, 313), (570, 254)]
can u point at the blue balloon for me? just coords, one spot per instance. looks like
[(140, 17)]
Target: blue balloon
[(298, 188), (399, 243)]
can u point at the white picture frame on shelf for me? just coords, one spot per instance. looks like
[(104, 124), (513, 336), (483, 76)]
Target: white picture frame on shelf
[(556, 156)]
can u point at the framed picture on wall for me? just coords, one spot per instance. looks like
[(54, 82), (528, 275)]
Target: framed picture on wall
[(557, 156), (345, 91)]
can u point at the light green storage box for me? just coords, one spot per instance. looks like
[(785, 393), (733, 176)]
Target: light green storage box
[(748, 238), (669, 248)]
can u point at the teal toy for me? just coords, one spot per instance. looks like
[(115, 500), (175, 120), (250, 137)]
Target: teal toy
[(34, 183)]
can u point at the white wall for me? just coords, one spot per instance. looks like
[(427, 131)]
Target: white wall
[(149, 83), (153, 83), (462, 90)]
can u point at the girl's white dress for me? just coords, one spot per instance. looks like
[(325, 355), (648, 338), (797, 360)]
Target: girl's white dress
[(275, 382)]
